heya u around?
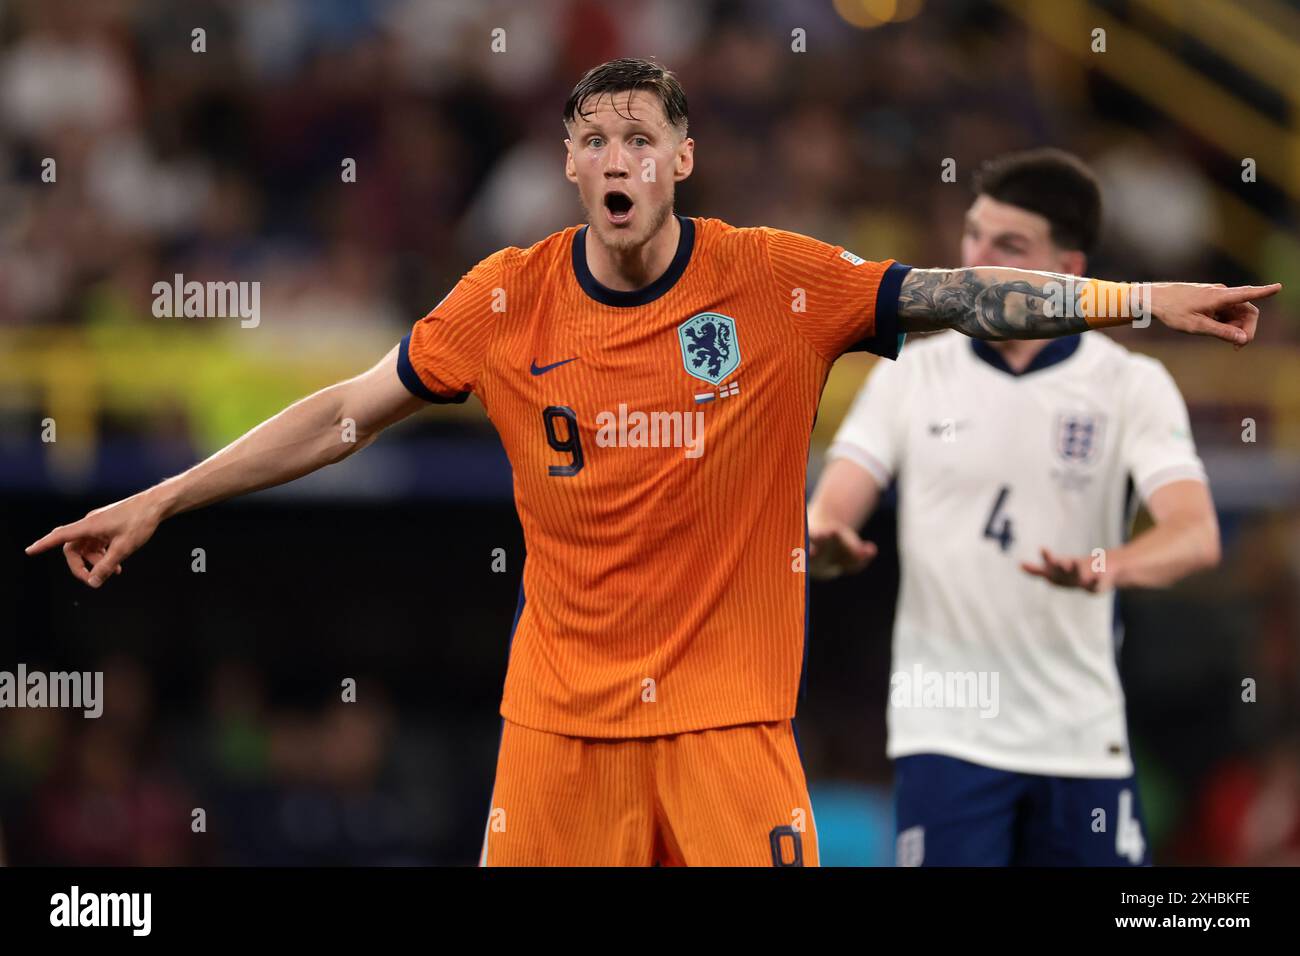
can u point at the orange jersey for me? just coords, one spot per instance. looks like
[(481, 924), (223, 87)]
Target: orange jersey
[(659, 443)]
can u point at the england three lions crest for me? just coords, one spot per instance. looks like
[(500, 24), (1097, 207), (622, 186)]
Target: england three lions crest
[(1078, 437), (709, 347)]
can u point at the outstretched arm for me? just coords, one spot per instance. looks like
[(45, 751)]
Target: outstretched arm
[(997, 303), (318, 430)]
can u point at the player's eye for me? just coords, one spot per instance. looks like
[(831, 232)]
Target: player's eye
[(640, 141), (595, 142)]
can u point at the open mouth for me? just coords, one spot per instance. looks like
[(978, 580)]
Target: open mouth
[(618, 207)]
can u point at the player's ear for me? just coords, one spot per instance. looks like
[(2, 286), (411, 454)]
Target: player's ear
[(570, 170), (684, 159)]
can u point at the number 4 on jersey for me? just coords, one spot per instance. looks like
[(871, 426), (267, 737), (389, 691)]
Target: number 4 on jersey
[(1128, 834), (1000, 532)]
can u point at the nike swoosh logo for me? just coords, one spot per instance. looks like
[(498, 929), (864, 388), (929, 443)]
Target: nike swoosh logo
[(938, 428), (543, 369)]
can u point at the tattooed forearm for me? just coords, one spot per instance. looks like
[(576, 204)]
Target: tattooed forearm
[(986, 303)]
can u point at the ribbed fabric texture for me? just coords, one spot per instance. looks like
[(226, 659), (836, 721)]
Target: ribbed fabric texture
[(663, 591), (733, 796)]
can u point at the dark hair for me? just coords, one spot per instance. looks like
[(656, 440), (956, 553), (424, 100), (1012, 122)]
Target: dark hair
[(626, 74), (1057, 185)]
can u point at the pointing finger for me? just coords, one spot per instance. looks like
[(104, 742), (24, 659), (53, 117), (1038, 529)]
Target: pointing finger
[(1247, 293), (60, 535)]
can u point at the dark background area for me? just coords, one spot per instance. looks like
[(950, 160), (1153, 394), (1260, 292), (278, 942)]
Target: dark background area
[(223, 687)]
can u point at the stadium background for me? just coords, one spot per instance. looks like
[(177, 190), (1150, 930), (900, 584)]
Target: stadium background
[(223, 687)]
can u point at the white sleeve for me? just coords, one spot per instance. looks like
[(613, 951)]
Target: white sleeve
[(1157, 445), (871, 434)]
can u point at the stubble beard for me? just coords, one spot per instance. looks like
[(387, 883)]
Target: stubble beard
[(620, 241)]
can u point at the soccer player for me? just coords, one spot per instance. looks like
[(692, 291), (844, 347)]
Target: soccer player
[(1012, 461), (654, 380)]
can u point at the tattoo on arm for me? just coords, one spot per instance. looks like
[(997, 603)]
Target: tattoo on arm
[(978, 304)]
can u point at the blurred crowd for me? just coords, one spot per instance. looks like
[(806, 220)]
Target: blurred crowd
[(238, 782), (222, 155), (228, 163)]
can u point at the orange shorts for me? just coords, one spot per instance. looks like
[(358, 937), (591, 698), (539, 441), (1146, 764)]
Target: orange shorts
[(731, 796)]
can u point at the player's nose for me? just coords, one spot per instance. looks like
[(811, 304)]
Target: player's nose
[(616, 163)]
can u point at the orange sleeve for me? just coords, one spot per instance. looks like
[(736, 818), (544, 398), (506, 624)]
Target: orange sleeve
[(441, 358), (838, 302)]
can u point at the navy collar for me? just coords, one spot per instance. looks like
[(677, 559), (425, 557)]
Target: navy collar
[(1053, 353), (685, 243)]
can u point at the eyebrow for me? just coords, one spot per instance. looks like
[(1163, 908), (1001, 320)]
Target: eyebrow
[(636, 127)]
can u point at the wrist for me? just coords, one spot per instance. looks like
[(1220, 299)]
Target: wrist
[(1117, 568), (1105, 304), (161, 501)]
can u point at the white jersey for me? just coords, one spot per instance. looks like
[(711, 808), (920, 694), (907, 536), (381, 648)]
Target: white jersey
[(991, 664)]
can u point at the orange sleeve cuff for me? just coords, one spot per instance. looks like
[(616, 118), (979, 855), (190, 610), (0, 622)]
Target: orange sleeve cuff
[(1103, 304)]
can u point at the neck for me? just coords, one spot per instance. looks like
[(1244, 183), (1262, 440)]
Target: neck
[(626, 270), (1018, 353)]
